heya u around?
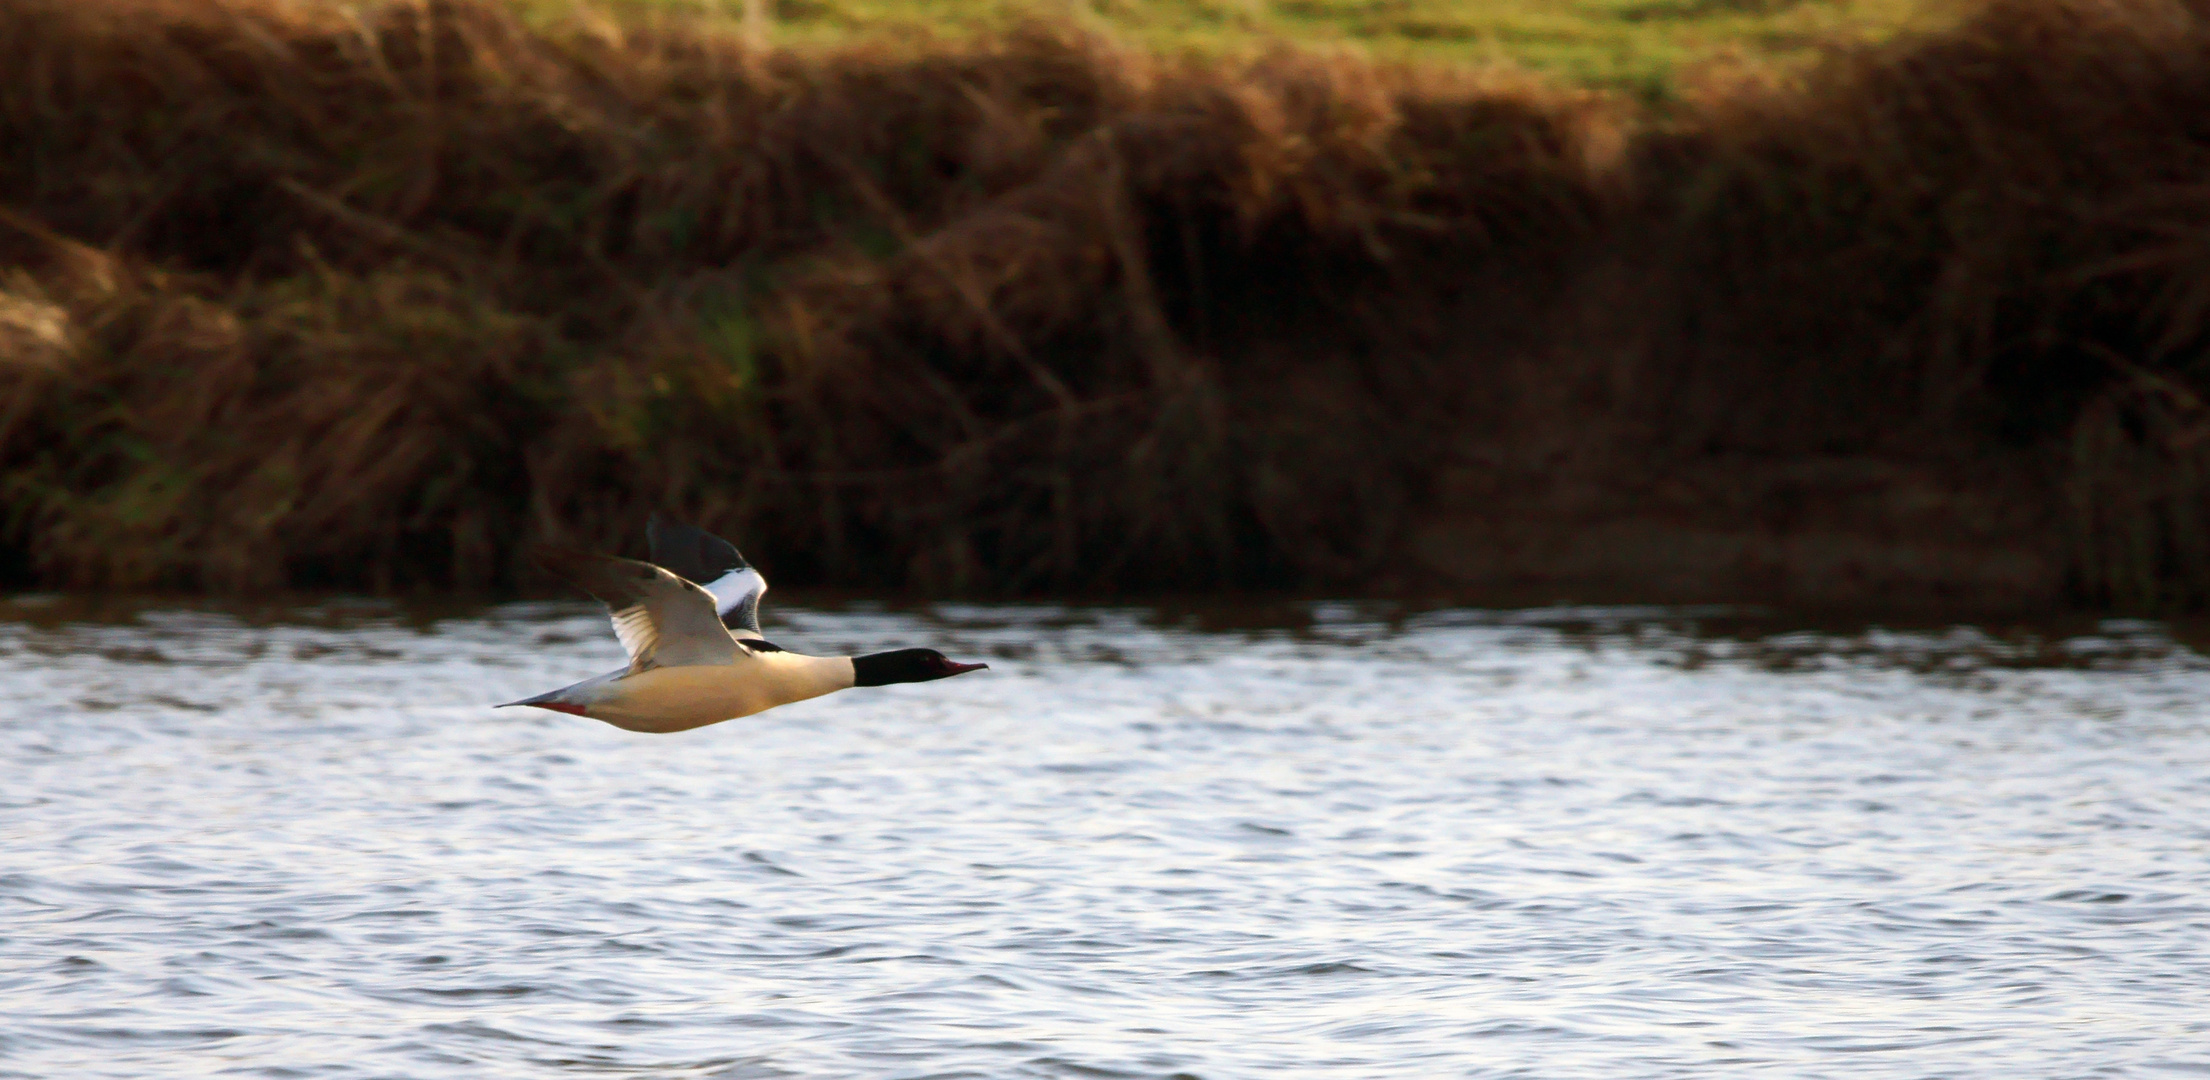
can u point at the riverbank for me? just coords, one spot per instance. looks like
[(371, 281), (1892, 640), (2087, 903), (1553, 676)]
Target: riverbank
[(298, 300)]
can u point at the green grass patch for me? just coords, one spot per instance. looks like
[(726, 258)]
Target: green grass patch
[(1644, 47)]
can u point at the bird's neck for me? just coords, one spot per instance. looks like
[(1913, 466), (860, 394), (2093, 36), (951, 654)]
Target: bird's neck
[(812, 675)]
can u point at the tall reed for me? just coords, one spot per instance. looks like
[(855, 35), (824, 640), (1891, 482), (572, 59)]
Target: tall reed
[(1982, 246), (440, 285), (307, 295)]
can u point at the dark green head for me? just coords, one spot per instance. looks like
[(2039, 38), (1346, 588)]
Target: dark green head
[(906, 665)]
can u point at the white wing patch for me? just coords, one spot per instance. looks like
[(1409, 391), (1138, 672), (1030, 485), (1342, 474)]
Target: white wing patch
[(737, 600), (696, 555)]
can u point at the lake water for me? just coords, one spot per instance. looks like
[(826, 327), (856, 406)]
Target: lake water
[(1325, 841)]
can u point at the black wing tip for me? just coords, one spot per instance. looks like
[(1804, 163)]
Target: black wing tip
[(690, 551), (611, 579), (562, 560), (569, 561), (661, 524)]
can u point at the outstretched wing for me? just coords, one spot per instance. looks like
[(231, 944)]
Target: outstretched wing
[(663, 620), (715, 563)]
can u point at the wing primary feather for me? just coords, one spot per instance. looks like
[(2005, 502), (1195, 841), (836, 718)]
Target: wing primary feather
[(661, 619)]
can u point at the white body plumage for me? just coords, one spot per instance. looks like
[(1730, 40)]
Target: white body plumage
[(696, 655)]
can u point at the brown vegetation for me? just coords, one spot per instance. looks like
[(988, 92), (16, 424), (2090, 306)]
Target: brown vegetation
[(295, 297)]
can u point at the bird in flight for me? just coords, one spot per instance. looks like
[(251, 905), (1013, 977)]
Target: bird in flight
[(696, 654)]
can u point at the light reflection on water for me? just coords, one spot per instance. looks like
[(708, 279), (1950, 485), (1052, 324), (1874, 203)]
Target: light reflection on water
[(1553, 844)]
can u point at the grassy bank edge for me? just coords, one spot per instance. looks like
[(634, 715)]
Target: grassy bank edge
[(377, 302)]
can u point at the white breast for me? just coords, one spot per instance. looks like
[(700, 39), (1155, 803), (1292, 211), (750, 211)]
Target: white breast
[(665, 699)]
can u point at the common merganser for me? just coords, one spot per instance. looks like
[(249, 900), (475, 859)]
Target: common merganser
[(696, 654)]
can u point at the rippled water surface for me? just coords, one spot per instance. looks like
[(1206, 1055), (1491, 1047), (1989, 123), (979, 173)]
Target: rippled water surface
[(1456, 844)]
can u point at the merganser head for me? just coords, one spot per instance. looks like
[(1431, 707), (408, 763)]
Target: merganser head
[(906, 665)]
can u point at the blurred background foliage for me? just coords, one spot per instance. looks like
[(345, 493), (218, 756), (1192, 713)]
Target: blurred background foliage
[(299, 294)]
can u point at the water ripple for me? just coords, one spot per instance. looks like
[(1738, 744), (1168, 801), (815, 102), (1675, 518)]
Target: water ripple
[(1345, 841)]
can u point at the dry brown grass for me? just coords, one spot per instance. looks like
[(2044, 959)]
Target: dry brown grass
[(297, 298), (431, 286), (1985, 244)]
